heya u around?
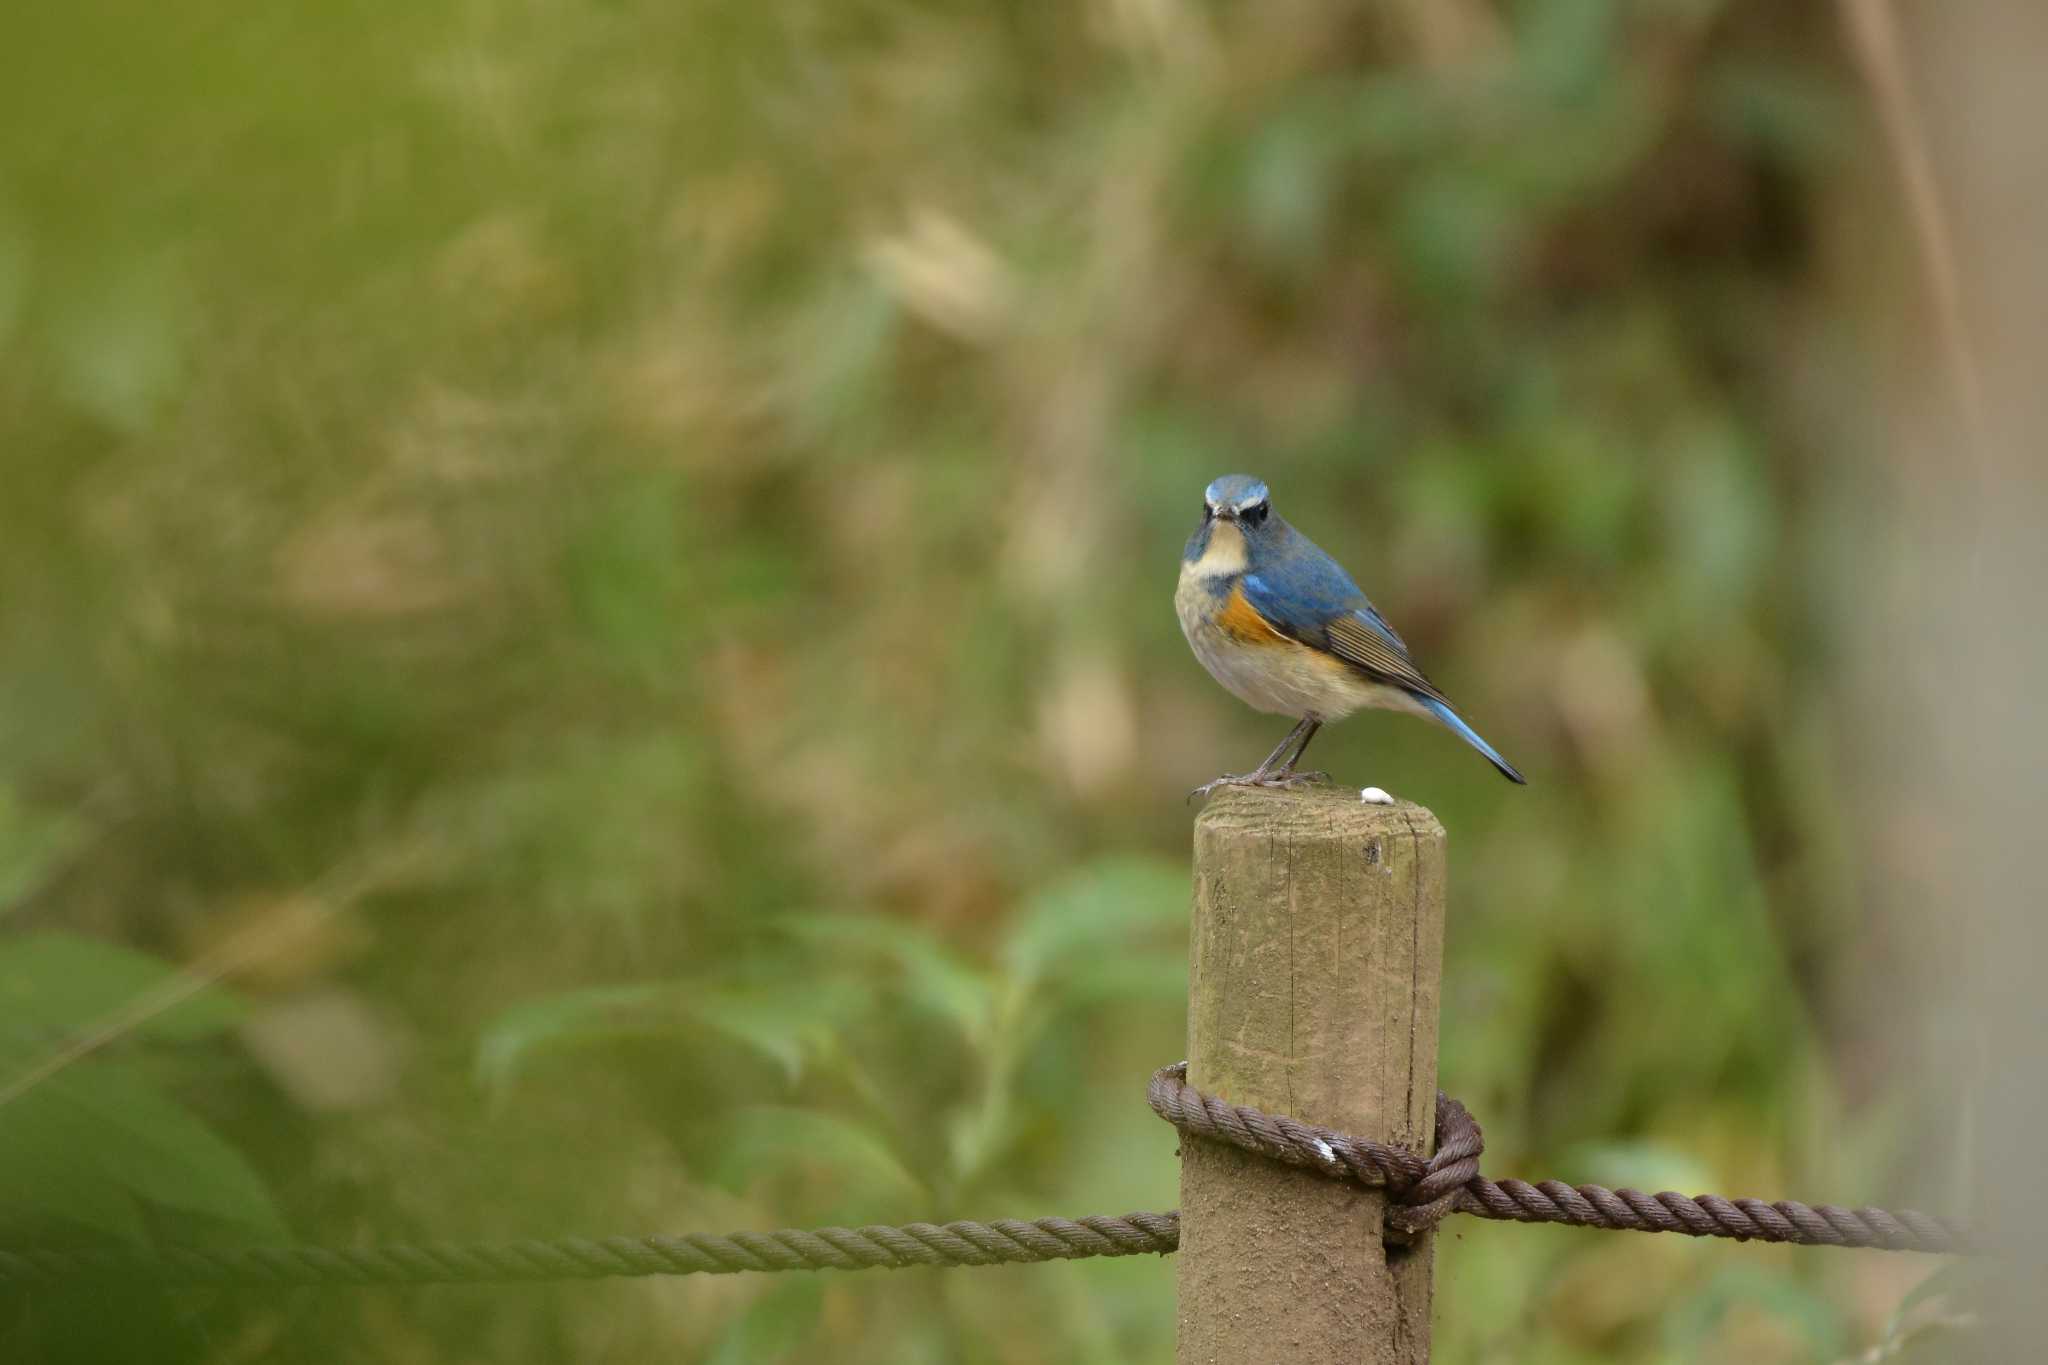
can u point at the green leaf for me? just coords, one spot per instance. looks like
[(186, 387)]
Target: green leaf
[(788, 1025), (47, 1173), (1693, 1322), (1108, 905), (53, 985), (1938, 1304), (936, 979), (1957, 1277), (575, 1019), (96, 1142), (160, 1150), (32, 841), (769, 1141)]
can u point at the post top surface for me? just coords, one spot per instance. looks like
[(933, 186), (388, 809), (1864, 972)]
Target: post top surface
[(1316, 811)]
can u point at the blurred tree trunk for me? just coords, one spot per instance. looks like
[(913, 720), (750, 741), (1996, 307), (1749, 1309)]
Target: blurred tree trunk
[(1956, 608)]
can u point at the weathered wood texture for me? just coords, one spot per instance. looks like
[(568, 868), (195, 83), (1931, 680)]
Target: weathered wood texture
[(1316, 960)]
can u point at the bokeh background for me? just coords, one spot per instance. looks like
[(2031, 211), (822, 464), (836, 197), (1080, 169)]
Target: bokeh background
[(586, 646)]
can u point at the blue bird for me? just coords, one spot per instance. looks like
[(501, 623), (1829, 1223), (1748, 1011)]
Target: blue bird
[(1285, 630)]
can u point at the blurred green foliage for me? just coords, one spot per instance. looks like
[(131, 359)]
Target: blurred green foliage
[(626, 549), (97, 1147)]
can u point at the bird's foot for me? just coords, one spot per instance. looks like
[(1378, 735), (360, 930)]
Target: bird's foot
[(1284, 781)]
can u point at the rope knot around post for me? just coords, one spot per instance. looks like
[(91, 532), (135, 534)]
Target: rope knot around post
[(1422, 1189), (1453, 1166)]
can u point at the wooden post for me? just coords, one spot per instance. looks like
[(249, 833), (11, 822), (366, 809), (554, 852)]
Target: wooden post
[(1315, 965)]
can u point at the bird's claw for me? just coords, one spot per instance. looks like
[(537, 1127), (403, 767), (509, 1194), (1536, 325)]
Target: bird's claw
[(1227, 780), (1282, 781)]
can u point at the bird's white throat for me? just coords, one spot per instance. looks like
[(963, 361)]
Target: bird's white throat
[(1222, 557)]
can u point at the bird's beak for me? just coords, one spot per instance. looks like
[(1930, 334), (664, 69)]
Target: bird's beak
[(1226, 514)]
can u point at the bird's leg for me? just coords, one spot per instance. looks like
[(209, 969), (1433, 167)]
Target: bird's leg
[(1287, 768), (1267, 774), (1266, 768)]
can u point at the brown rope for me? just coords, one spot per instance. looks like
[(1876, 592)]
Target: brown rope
[(1426, 1189), (1423, 1189), (1006, 1242)]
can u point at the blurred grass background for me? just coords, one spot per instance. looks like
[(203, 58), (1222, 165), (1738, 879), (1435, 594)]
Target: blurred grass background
[(607, 569)]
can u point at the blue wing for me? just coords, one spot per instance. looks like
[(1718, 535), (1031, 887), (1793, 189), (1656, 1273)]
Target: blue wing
[(1307, 596)]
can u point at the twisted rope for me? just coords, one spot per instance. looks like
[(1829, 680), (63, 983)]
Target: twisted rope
[(1425, 1190), (1006, 1242)]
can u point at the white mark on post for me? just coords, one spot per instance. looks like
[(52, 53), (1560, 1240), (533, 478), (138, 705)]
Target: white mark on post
[(1373, 796)]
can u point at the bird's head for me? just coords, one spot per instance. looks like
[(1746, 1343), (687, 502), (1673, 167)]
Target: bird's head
[(1238, 498), (1235, 515)]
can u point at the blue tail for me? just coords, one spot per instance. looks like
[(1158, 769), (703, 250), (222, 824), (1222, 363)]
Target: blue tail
[(1465, 732)]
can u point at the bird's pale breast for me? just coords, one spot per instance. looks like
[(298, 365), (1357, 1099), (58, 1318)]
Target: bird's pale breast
[(1262, 667)]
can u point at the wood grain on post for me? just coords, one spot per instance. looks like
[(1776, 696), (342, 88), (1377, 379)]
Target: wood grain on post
[(1315, 964)]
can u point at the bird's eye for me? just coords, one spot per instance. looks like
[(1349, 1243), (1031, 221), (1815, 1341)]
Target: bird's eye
[(1255, 515)]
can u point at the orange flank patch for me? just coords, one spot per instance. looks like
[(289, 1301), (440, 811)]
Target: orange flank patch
[(1242, 622)]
